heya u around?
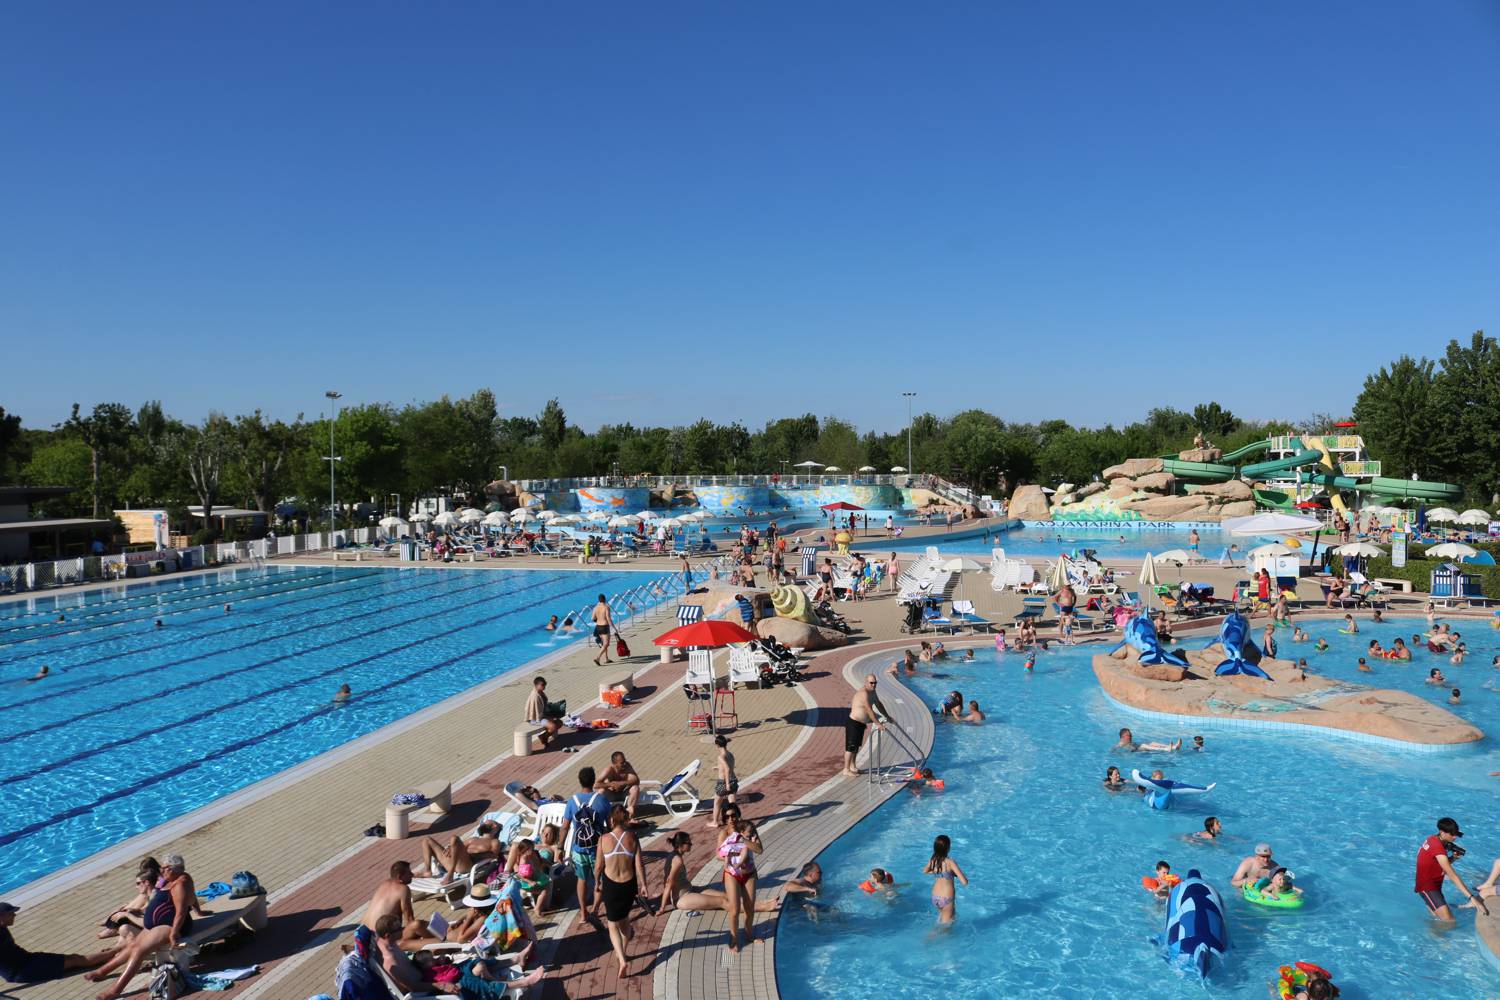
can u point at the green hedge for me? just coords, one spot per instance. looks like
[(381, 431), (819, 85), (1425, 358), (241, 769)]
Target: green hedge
[(1419, 572)]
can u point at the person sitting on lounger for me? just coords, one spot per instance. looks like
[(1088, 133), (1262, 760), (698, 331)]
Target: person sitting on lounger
[(480, 901), (459, 856), (405, 973), (168, 921), (17, 965)]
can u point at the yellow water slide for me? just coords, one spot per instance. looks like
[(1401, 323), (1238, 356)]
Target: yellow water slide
[(1334, 499)]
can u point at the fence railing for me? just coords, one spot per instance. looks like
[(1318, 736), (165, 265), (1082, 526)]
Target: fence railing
[(46, 575), (765, 479)]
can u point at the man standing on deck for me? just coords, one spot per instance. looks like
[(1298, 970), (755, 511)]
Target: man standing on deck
[(1433, 864), (864, 709)]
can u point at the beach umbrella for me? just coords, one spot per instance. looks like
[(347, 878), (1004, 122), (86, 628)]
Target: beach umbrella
[(1147, 576), (1442, 514), (669, 522), (648, 515), (1361, 549), (1173, 556), (548, 515), (521, 515), (597, 515), (809, 464), (841, 505), (711, 633), (446, 519), (421, 515), (1452, 550), (867, 468), (1058, 577), (496, 519), (623, 520), (390, 523), (1271, 523), (1474, 516), (566, 519), (1270, 549), (471, 515), (960, 565), (898, 468)]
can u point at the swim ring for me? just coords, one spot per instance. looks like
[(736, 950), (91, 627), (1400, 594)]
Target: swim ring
[(1294, 977), (1291, 902)]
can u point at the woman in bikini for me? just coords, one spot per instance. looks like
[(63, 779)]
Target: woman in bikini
[(738, 844), (621, 876), (944, 870), (678, 893)]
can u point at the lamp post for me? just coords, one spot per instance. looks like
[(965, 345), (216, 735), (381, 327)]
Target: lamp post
[(331, 459), (908, 396)]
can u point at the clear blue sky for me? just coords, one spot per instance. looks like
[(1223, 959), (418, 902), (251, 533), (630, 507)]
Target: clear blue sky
[(1073, 210)]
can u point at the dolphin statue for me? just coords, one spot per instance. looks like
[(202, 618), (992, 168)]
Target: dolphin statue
[(1195, 931), (1140, 633), (1232, 637)]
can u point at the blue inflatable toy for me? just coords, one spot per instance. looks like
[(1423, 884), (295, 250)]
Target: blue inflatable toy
[(1232, 637), (1159, 791), (1140, 633), (1195, 930)]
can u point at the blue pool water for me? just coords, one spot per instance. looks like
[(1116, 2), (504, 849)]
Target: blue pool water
[(1030, 542), (137, 725), (1056, 907)]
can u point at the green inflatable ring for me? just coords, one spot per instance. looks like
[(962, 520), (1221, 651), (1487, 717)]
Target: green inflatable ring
[(1253, 895)]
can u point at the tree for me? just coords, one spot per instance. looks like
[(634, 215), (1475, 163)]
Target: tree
[(1465, 412), (61, 461), (202, 452), (262, 450), (552, 425), (1394, 414), (10, 441), (1213, 421), (105, 431)]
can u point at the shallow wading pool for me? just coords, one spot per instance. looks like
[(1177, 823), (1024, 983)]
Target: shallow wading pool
[(1056, 906)]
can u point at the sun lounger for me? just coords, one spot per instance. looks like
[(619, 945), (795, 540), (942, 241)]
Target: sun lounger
[(453, 887), (964, 614), (225, 914), (526, 806), (676, 794)]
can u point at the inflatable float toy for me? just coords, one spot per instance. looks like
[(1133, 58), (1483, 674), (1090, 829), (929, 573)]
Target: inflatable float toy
[(1296, 976), (1159, 791), (1153, 883), (1195, 931), (1232, 637), (1291, 901), (923, 776), (1140, 633)]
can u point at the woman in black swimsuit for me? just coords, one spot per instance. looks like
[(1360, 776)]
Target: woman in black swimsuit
[(621, 875), (168, 921)]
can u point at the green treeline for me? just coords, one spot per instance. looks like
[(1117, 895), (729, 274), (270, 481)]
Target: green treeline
[(1439, 419)]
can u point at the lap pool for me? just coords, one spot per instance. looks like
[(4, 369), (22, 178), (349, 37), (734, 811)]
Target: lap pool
[(1123, 543), (1056, 907), (137, 725)]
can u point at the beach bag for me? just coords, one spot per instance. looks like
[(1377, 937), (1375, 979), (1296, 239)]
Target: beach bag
[(614, 698), (244, 884), (166, 982), (621, 650)]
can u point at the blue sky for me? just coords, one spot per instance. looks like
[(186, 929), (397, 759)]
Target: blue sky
[(665, 210)]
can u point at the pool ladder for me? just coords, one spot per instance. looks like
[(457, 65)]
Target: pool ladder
[(902, 749)]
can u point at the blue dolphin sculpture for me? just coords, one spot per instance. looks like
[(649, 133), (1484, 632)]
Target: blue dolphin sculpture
[(1232, 637), (1195, 930), (1140, 633)]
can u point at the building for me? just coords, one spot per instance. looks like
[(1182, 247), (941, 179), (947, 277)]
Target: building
[(24, 539)]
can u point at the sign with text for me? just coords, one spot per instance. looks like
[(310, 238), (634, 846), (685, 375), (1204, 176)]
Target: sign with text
[(1398, 550)]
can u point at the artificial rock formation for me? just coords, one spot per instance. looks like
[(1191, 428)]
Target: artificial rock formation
[(1029, 503)]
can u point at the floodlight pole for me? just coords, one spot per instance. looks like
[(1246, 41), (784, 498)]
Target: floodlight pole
[(332, 459), (909, 466)]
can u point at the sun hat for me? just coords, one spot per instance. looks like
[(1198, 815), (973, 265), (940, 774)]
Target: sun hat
[(479, 897)]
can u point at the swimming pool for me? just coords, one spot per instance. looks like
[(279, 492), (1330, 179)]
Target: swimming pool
[(137, 725), (1056, 906), (1032, 541)]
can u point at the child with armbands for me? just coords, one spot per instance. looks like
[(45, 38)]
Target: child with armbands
[(1161, 885), (882, 882)]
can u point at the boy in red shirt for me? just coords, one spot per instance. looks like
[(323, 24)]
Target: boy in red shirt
[(1433, 864)]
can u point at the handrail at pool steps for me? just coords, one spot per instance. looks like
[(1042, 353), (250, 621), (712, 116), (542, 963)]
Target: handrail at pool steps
[(882, 773)]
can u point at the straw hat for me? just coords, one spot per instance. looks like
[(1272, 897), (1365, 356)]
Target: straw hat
[(479, 897)]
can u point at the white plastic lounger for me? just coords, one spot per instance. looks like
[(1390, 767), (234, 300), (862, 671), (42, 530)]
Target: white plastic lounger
[(676, 795)]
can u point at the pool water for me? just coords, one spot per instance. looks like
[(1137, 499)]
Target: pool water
[(1036, 542), (1056, 907), (137, 725)]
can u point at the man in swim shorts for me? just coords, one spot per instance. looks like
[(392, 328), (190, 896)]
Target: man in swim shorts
[(1433, 864), (1254, 868), (864, 708)]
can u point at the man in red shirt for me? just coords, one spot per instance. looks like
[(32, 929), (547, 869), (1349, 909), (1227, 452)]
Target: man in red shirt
[(1433, 864)]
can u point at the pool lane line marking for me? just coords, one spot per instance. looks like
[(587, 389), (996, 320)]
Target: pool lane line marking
[(306, 594), (265, 589), (262, 664), (197, 658), (31, 828)]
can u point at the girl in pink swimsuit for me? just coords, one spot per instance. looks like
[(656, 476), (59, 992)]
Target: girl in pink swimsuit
[(945, 870)]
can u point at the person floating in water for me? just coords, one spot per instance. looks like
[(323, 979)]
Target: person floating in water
[(1127, 742), (342, 695), (43, 671)]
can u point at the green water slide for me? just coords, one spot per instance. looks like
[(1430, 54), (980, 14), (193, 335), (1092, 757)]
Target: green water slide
[(1396, 489), (1218, 472)]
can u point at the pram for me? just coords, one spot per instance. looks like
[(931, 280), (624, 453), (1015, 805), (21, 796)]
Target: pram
[(782, 665), (830, 618), (913, 621)]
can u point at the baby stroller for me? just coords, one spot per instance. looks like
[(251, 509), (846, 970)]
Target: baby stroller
[(783, 666), (829, 618), (913, 621)]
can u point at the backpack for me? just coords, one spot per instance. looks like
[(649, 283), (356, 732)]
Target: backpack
[(585, 824), (244, 884)]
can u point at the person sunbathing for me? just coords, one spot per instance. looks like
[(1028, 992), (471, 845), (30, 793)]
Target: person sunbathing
[(480, 901), (459, 856)]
